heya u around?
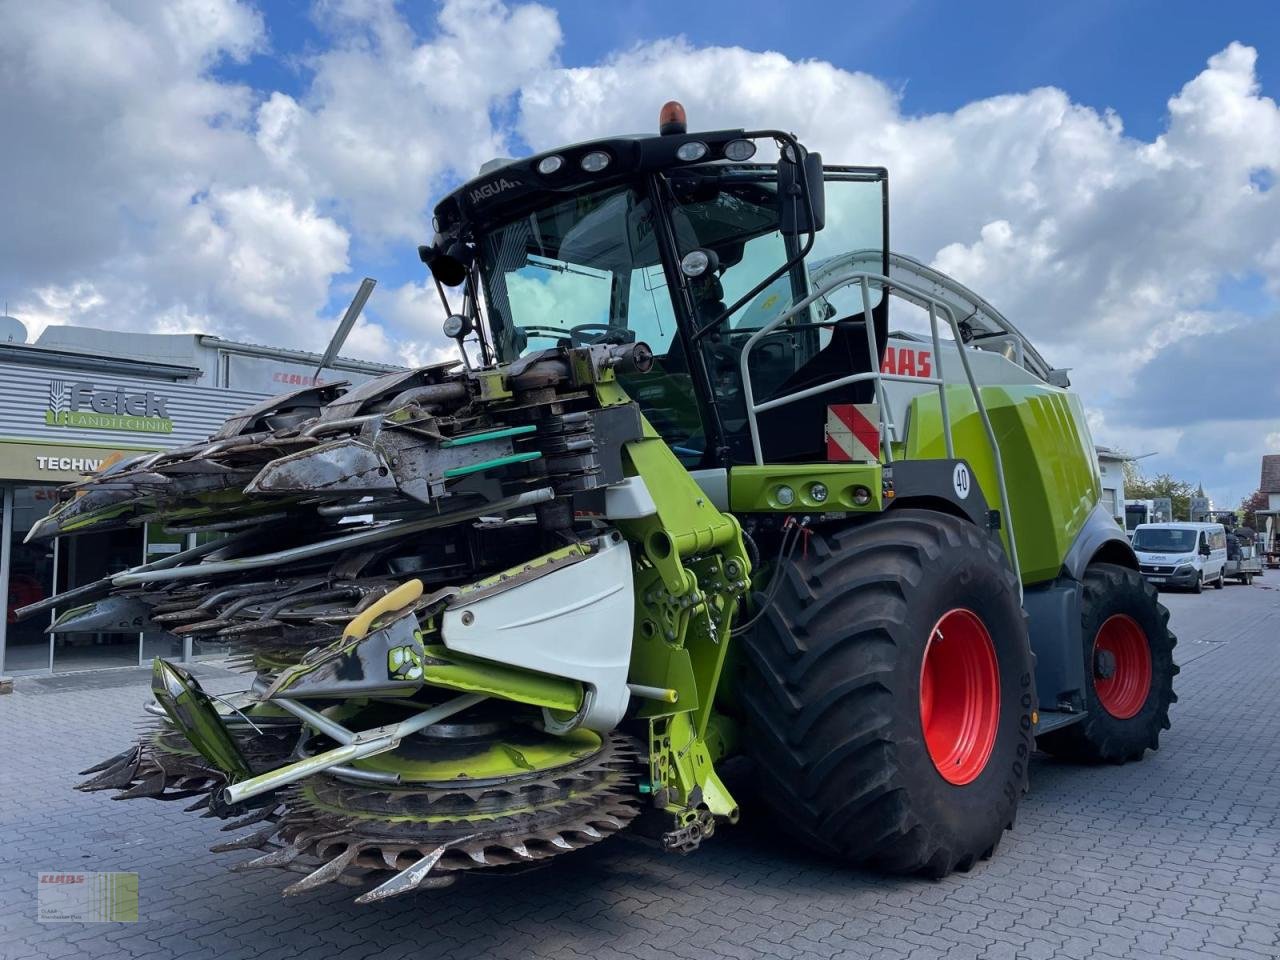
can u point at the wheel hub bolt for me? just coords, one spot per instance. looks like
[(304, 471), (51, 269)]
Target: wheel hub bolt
[(1104, 664)]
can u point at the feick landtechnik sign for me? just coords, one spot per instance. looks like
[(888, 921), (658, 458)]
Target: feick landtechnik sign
[(82, 405), (57, 424)]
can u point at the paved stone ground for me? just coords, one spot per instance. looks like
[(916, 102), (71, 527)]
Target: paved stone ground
[(1178, 856)]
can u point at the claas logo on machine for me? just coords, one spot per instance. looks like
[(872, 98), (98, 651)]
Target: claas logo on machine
[(905, 362)]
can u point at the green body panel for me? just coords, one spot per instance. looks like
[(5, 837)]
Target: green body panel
[(683, 613), (489, 759), (453, 671), (754, 489), (97, 516), (1051, 472), (193, 713)]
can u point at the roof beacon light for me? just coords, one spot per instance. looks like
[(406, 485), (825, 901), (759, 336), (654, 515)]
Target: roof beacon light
[(671, 118)]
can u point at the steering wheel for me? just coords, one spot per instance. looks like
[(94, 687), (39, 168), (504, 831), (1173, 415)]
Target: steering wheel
[(579, 335), (538, 330)]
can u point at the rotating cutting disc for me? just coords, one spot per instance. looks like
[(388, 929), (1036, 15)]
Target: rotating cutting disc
[(421, 833)]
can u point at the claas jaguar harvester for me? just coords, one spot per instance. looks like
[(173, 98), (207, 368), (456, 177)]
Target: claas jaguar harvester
[(667, 509)]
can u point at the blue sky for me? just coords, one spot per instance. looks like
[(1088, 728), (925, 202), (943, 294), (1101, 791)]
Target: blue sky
[(1126, 56), (1103, 172)]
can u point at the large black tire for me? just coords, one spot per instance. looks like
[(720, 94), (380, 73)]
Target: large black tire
[(831, 692), (1222, 579), (1198, 585), (1102, 736)]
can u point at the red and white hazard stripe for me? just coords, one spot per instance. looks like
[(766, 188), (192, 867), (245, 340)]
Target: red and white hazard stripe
[(853, 432)]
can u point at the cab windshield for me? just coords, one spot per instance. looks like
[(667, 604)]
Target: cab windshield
[(586, 270), (1164, 540), (589, 269)]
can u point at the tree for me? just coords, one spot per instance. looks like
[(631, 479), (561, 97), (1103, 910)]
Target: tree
[(1250, 505), (1132, 478), (1138, 487)]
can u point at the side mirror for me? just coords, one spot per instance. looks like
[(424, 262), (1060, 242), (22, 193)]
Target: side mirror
[(793, 215), (448, 265), (1205, 551)]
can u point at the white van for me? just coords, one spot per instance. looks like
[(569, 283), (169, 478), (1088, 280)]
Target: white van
[(1182, 554)]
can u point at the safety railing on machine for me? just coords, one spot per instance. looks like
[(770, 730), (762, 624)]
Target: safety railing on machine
[(935, 307)]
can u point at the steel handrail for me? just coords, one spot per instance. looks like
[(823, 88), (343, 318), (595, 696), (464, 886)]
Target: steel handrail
[(913, 294)]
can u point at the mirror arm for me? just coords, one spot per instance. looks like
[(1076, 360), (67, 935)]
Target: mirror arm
[(788, 140)]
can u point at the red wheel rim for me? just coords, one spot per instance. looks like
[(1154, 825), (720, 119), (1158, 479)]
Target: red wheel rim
[(959, 696), (1121, 666)]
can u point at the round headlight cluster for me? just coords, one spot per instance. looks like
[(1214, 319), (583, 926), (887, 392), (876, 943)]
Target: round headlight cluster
[(595, 161), (691, 151), (785, 495), (739, 150), (549, 165), (695, 263)]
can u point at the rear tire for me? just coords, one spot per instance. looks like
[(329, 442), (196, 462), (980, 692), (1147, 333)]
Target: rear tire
[(1127, 695), (1222, 579), (855, 711)]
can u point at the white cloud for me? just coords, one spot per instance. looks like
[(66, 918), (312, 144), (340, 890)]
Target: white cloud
[(388, 118), (1105, 249), (415, 311), (151, 193)]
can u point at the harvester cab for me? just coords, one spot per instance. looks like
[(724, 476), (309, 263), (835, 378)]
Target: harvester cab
[(685, 497), (679, 242)]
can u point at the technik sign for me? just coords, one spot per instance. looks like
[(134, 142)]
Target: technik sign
[(80, 404)]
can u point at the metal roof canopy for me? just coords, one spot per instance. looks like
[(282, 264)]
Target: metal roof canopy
[(31, 354), (990, 327)]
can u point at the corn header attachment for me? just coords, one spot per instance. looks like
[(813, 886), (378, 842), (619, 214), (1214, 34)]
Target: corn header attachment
[(433, 581)]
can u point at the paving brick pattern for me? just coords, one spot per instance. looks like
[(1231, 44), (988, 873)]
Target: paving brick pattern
[(1178, 856)]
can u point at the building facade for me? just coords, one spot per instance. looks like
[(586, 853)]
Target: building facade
[(69, 402), (1111, 466), (1270, 482)]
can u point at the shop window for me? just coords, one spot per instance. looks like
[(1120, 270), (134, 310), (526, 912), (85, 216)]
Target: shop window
[(82, 559), (31, 573)]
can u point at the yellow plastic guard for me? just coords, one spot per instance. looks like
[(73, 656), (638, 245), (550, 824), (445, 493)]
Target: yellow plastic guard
[(397, 599)]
